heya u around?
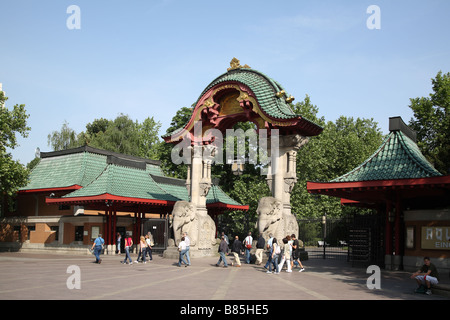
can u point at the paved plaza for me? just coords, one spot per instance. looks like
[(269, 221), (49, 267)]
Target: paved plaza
[(45, 276)]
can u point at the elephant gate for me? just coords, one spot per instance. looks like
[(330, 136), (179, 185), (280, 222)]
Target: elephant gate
[(239, 95)]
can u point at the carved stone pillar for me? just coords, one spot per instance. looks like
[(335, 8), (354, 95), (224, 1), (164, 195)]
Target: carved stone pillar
[(282, 174), (198, 181)]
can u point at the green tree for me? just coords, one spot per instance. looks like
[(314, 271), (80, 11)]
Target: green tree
[(64, 139), (121, 135), (165, 149), (342, 146), (431, 121), (13, 175), (149, 141)]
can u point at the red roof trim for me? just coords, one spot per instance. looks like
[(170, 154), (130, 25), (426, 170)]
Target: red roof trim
[(74, 187), (106, 197), (317, 187), (228, 206)]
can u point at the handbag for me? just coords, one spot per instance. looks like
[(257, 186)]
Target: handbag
[(248, 245)]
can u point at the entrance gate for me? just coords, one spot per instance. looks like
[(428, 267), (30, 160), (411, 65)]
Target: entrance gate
[(358, 239), (325, 238)]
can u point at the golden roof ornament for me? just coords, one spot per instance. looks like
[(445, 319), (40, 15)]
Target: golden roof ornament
[(290, 99), (235, 64)]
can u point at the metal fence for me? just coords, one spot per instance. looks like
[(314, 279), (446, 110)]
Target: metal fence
[(357, 239), (325, 238)]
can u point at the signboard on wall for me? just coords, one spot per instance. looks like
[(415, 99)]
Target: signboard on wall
[(436, 238)]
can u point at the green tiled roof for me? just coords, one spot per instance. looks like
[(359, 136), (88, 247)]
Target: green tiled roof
[(125, 182), (101, 172), (398, 157), (66, 170), (263, 87), (265, 90), (216, 194)]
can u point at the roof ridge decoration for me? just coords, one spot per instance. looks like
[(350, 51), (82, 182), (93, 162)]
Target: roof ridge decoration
[(235, 64)]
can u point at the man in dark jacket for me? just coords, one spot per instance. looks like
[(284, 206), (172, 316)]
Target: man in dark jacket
[(237, 250), (260, 249), (223, 250)]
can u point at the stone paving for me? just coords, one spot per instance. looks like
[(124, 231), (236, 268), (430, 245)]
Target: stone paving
[(48, 277)]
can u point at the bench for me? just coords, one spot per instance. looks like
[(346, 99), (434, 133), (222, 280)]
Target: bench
[(441, 289)]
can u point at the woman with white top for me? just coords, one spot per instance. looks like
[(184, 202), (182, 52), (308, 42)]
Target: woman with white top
[(182, 249), (286, 256)]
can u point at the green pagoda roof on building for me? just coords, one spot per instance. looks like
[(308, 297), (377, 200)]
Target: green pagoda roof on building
[(94, 175), (398, 157), (396, 169)]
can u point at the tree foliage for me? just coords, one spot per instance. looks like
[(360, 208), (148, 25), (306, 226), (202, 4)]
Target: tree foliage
[(121, 135), (13, 175), (431, 121), (343, 145)]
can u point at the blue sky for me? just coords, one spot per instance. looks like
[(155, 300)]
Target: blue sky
[(150, 58)]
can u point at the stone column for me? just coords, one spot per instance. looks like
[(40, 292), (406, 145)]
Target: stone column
[(198, 180), (192, 216), (282, 174)]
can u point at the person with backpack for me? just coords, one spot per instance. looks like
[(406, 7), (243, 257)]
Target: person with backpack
[(248, 246), (128, 244)]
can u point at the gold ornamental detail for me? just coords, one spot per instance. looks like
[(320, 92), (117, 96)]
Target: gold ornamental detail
[(236, 64)]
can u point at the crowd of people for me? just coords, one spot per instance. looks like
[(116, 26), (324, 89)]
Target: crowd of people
[(287, 251), (144, 248), (278, 254)]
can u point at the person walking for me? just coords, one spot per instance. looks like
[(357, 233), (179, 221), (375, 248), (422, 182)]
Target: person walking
[(296, 254), (286, 255), (259, 249), (188, 243), (236, 249), (149, 245), (128, 244), (182, 252), (118, 239), (269, 251), (97, 246), (275, 256), (225, 237), (223, 250), (248, 246), (142, 249)]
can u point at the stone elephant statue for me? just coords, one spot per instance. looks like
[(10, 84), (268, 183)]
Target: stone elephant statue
[(273, 220), (184, 219)]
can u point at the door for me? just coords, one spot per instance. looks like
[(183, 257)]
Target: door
[(122, 231), (158, 230)]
